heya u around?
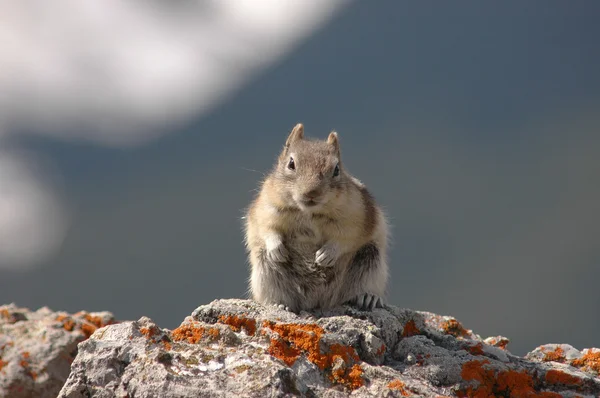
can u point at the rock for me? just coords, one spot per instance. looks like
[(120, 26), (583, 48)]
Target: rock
[(242, 349), (37, 348)]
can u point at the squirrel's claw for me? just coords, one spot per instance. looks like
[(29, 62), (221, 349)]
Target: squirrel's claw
[(327, 255), (276, 251), (283, 307), (368, 302)]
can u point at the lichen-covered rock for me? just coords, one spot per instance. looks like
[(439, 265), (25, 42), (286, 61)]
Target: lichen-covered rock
[(242, 349), (37, 348)]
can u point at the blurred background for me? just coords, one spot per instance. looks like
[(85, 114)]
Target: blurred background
[(132, 136)]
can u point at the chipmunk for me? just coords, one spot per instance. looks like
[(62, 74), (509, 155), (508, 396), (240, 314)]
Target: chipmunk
[(315, 236)]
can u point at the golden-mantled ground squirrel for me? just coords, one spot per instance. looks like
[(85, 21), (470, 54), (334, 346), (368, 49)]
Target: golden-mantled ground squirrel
[(315, 237)]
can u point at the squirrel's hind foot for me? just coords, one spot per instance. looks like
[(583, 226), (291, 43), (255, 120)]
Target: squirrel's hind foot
[(283, 307), (367, 302)]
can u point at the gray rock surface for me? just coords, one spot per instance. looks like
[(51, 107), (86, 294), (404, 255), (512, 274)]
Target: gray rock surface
[(37, 348), (242, 349)]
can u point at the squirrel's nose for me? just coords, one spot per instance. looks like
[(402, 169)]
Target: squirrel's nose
[(313, 193)]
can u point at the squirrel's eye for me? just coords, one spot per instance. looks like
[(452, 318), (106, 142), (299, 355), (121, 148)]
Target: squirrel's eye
[(291, 164), (336, 171)]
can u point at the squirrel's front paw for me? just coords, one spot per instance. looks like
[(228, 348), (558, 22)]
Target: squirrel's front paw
[(327, 255), (276, 251)]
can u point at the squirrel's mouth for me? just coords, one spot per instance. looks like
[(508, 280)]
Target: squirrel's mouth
[(308, 203)]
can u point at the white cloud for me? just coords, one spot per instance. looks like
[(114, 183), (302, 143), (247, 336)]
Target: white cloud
[(118, 72), (32, 223), (121, 73)]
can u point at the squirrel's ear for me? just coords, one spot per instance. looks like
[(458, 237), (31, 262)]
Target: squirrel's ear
[(296, 134), (333, 140)]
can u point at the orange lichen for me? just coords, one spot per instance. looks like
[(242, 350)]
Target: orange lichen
[(83, 322), (2, 364), (559, 377), (214, 333), (399, 386), (502, 383), (410, 329), (518, 384), (500, 342), (67, 323), (355, 375), (351, 379), (95, 320), (25, 361), (381, 350), (6, 314), (167, 345), (474, 370), (92, 323), (547, 394), (293, 339), (189, 332), (282, 350), (454, 328), (25, 364), (557, 355), (149, 332), (88, 330), (346, 352), (476, 349), (590, 361), (237, 323)]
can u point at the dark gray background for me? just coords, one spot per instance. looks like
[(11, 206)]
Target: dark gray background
[(476, 126)]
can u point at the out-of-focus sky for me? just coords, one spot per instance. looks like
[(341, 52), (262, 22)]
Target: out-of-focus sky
[(132, 136)]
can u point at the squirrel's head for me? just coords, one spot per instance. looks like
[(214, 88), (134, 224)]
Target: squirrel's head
[(310, 171)]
